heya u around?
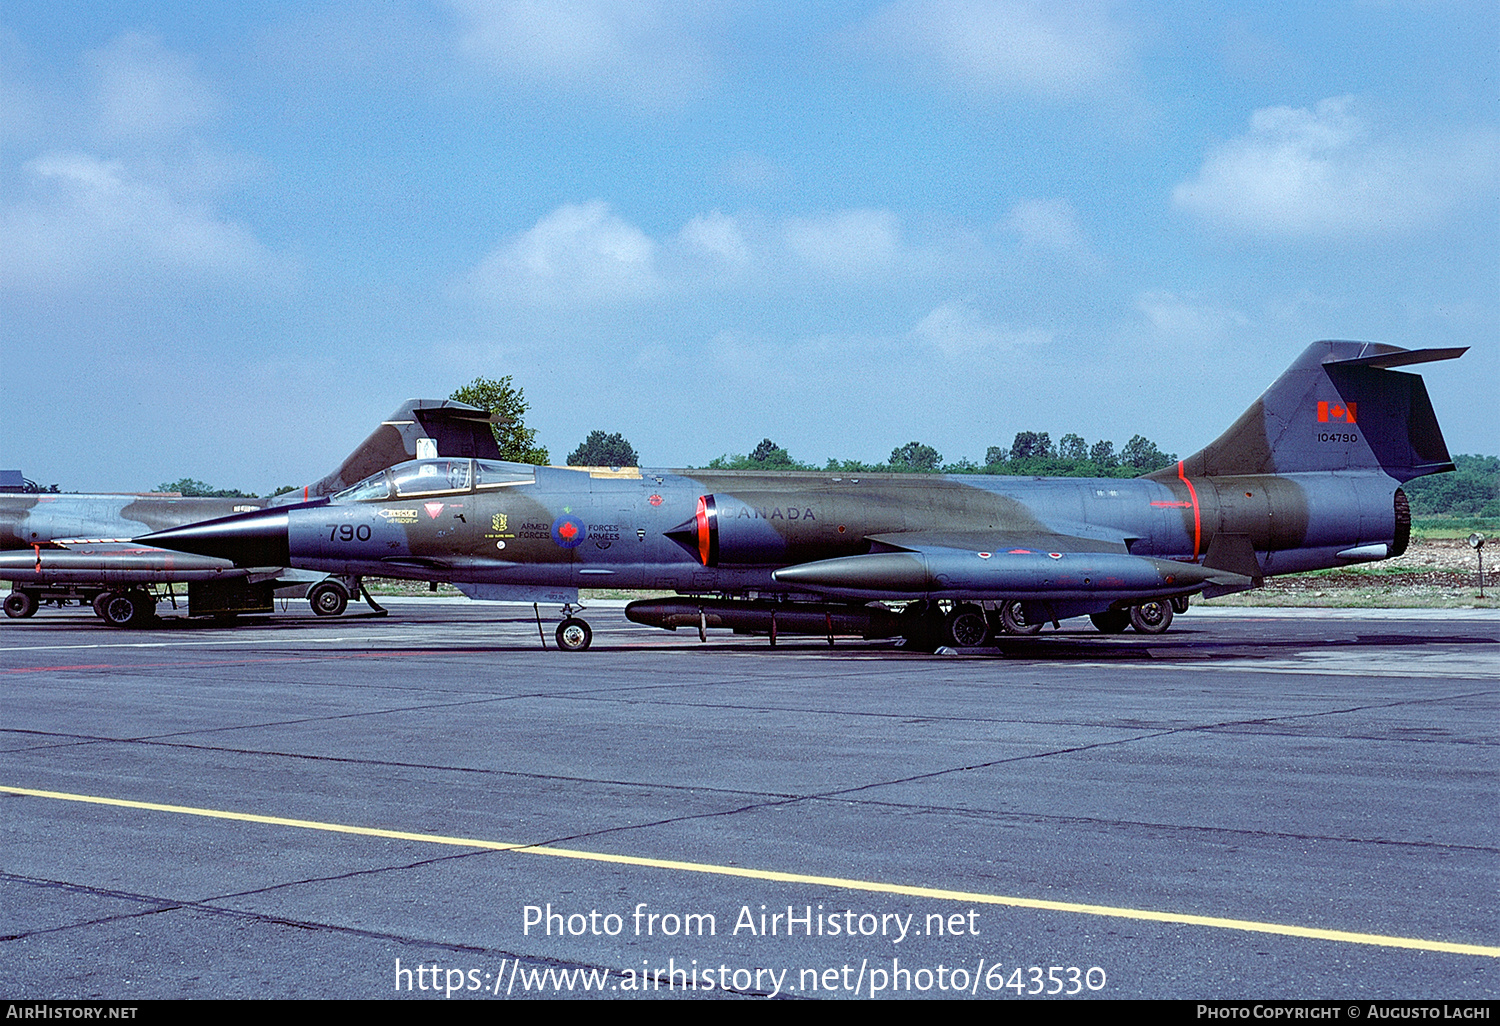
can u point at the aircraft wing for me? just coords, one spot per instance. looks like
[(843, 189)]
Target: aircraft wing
[(996, 541)]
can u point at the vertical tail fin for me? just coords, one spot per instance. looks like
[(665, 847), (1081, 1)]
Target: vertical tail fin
[(459, 430), (1340, 406)]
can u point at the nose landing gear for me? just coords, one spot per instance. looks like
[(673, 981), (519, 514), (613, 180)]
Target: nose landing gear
[(574, 635)]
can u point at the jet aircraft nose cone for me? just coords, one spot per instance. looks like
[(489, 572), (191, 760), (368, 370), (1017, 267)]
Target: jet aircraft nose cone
[(247, 539)]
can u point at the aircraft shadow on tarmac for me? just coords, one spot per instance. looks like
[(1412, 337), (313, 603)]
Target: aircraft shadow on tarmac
[(1183, 643)]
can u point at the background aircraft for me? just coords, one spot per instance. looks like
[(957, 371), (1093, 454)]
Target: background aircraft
[(1309, 477), (56, 547)]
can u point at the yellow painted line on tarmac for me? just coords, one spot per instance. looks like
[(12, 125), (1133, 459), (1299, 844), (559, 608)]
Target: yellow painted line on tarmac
[(870, 886)]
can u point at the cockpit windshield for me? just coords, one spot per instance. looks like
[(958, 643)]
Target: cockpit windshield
[(426, 477), (376, 486)]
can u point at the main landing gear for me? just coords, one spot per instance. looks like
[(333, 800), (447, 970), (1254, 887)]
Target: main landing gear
[(572, 635), (1152, 617), (928, 626)]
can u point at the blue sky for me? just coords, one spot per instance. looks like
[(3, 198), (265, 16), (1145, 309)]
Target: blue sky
[(234, 236)]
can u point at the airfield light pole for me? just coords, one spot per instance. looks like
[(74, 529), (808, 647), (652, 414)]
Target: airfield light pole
[(1477, 541)]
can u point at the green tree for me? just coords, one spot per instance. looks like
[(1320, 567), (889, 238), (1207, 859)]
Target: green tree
[(1474, 490), (771, 456), (1031, 445), (517, 442), (765, 456), (1072, 447), (1142, 454), (601, 450), (914, 456), (1103, 454), (198, 490)]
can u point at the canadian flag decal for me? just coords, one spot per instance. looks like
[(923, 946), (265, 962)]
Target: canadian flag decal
[(1336, 412)]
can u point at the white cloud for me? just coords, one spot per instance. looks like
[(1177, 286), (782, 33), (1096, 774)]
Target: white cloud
[(956, 331), (1326, 172), (585, 255), (717, 235), (847, 242), (91, 221), (1183, 323), (579, 253), (146, 91), (1048, 224), (642, 54), (124, 195), (1060, 51)]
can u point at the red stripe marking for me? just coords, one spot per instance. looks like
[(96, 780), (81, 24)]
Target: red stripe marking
[(1197, 515), (702, 517)]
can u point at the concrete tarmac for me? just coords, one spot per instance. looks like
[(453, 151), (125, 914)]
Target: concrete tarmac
[(1258, 804)]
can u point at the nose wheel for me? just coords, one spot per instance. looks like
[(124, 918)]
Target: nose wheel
[(574, 635)]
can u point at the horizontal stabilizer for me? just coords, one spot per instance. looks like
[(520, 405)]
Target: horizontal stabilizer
[(1400, 358)]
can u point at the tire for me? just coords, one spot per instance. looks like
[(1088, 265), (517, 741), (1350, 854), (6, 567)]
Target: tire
[(99, 601), (20, 604), (328, 599), (1152, 617), (965, 627), (1013, 619), (574, 635), (1180, 604), (129, 609), (1111, 621)]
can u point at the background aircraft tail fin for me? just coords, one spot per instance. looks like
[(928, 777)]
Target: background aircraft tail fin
[(458, 429), (1340, 406)]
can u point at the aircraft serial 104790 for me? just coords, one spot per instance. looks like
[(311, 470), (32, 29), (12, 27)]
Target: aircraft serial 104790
[(1307, 478), (65, 547)]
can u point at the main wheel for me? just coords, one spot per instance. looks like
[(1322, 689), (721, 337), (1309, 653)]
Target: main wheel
[(965, 627), (574, 635), (1152, 617), (128, 609), (1013, 619), (99, 601), (20, 604), (328, 599), (1111, 621), (1180, 604)]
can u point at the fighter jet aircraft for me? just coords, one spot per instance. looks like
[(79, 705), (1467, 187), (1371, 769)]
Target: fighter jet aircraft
[(63, 547), (1309, 477)]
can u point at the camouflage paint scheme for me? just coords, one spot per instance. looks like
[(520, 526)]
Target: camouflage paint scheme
[(80, 545), (1307, 478)]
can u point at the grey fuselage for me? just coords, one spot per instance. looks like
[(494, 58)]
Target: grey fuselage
[(564, 527)]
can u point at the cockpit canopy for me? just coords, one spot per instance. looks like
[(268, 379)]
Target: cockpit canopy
[(438, 476)]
